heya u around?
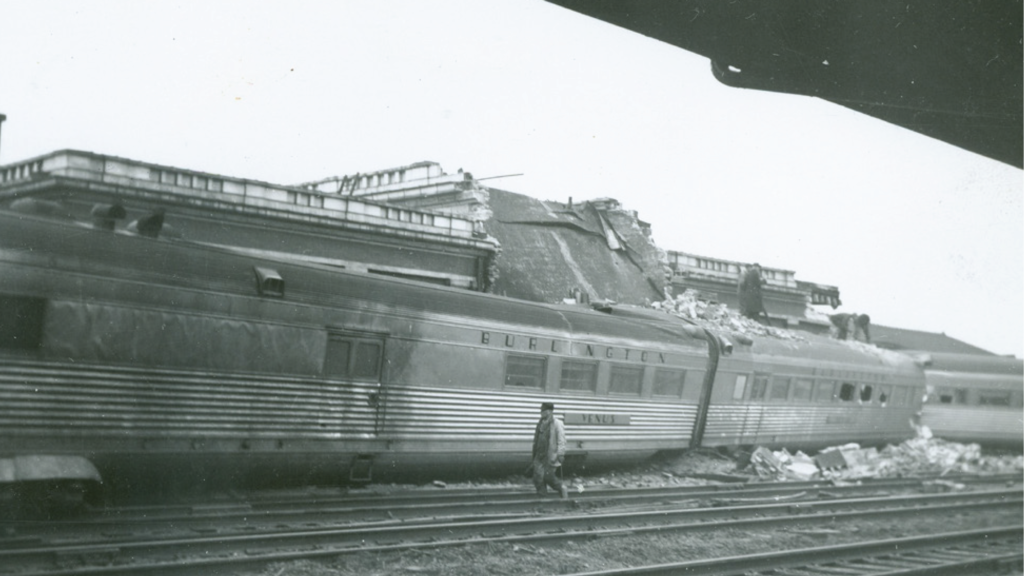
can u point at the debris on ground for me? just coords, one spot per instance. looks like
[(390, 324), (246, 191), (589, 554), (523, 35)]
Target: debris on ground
[(918, 456)]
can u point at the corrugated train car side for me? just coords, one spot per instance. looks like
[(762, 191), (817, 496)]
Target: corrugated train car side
[(154, 358), (974, 398), (812, 392)]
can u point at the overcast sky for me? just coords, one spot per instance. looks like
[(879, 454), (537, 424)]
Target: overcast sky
[(914, 232)]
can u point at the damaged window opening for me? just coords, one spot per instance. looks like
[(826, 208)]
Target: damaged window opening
[(865, 393), (847, 392)]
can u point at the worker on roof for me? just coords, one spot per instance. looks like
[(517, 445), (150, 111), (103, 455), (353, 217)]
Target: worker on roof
[(751, 299)]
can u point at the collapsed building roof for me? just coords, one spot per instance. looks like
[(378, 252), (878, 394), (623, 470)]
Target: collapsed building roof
[(550, 248)]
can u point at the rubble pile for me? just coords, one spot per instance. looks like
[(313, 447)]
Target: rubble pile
[(692, 305), (919, 456)]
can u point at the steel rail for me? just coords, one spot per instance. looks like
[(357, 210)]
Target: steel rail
[(478, 503), (440, 494), (227, 549), (954, 553)]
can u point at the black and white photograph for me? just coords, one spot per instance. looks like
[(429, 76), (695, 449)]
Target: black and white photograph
[(511, 287)]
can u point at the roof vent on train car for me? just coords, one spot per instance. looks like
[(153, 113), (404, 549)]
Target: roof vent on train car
[(725, 346), (268, 282)]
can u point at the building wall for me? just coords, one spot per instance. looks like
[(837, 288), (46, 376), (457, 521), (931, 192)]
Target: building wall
[(264, 218)]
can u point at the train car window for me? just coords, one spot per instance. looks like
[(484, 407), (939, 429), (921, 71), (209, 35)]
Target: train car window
[(847, 392), (21, 322), (579, 376), (802, 390), (353, 356), (740, 388), (525, 371), (884, 393), (780, 389), (338, 357), (759, 387), (993, 398), (626, 380), (948, 396), (825, 391), (866, 391), (367, 359), (669, 382)]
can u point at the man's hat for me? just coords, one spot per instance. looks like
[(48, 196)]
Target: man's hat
[(547, 406)]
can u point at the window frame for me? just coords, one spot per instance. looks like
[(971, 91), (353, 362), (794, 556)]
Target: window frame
[(543, 360), (633, 369), (590, 365), (759, 386), (682, 382), (355, 342), (796, 385), (775, 383)]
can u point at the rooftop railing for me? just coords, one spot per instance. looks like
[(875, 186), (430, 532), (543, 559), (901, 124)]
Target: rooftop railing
[(193, 184), (684, 264)]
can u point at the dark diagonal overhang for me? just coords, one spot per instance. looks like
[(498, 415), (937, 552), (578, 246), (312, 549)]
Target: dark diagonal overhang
[(948, 69)]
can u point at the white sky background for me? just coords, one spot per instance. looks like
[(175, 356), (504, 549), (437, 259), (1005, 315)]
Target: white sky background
[(915, 232)]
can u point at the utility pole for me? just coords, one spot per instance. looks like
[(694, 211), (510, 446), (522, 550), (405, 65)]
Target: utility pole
[(2, 118)]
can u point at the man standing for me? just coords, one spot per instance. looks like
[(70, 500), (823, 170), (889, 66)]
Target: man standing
[(548, 451), (751, 300), (851, 327)]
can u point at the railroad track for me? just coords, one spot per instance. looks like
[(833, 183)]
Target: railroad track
[(478, 504), (975, 552), (148, 554)]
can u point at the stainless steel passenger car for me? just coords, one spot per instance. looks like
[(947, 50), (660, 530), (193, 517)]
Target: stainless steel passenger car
[(154, 358), (974, 398)]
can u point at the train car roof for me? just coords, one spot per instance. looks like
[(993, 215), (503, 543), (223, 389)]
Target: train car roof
[(172, 262), (788, 344), (972, 363)]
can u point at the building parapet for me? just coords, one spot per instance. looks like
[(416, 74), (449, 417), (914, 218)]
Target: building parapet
[(684, 264), (190, 184), (821, 293), (420, 179)]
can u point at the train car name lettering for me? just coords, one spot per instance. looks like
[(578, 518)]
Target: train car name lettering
[(594, 418), (535, 344)]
